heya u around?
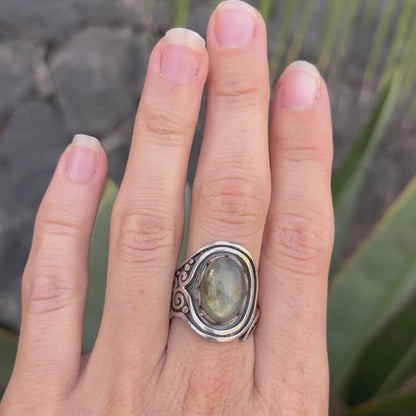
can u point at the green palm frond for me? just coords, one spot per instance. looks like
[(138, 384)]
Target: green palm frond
[(393, 44), (379, 42), (335, 14), (343, 43), (182, 10), (282, 35), (369, 11), (402, 37), (301, 31), (265, 8)]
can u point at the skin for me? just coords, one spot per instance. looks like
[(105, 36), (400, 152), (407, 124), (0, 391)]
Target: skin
[(264, 185)]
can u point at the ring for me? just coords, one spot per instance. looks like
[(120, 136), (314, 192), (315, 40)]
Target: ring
[(215, 292)]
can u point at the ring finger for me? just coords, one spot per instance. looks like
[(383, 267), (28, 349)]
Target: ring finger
[(232, 184)]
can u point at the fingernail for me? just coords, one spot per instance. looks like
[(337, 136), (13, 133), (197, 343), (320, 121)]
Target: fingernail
[(300, 86), (82, 159), (181, 55), (235, 23)]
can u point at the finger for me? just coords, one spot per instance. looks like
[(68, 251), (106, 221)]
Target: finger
[(231, 187), (290, 337), (55, 278), (146, 226)]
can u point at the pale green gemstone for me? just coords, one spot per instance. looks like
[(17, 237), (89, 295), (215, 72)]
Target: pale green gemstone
[(222, 290)]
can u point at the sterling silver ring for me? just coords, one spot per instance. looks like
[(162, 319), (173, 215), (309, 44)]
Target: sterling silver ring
[(215, 292)]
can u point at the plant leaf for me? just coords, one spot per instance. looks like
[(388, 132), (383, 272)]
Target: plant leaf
[(97, 266), (336, 12), (388, 361), (398, 404), (370, 7), (347, 181), (282, 38), (351, 12), (301, 32), (379, 278), (265, 8), (187, 211), (181, 13), (401, 37), (408, 64), (8, 347), (379, 41)]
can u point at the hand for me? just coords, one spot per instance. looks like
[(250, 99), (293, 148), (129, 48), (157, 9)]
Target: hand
[(271, 195)]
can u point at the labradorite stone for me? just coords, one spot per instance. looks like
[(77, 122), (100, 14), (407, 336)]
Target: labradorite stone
[(222, 289)]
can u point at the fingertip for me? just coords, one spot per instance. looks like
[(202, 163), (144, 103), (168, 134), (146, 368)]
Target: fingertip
[(301, 112), (299, 87), (85, 140), (178, 58), (235, 24), (301, 102), (185, 37), (83, 160)]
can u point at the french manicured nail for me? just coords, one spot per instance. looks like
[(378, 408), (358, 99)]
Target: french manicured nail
[(235, 23), (181, 55), (300, 86), (82, 160)]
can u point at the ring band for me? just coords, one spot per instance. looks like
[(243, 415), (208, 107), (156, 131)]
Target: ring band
[(215, 292)]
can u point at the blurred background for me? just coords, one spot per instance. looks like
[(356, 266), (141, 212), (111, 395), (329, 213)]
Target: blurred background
[(77, 66)]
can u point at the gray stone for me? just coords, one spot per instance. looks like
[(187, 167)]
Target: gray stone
[(15, 240), (5, 33), (18, 63), (96, 79), (198, 17), (45, 20), (162, 15), (33, 141), (117, 146), (222, 290), (117, 162), (117, 12), (142, 49), (45, 86), (30, 146)]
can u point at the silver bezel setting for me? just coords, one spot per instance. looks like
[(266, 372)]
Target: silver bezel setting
[(186, 293)]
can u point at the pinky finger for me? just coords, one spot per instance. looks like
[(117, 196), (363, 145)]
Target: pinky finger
[(55, 278)]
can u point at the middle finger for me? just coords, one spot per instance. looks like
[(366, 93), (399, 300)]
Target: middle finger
[(232, 184)]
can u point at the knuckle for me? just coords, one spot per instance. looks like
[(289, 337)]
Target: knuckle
[(52, 222), (52, 288), (30, 406), (118, 402), (302, 141), (299, 401), (142, 236), (305, 154), (232, 201), (165, 127), (300, 241), (241, 90), (203, 397)]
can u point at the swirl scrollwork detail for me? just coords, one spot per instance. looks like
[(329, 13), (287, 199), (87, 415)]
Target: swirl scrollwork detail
[(183, 275), (180, 301), (180, 296)]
